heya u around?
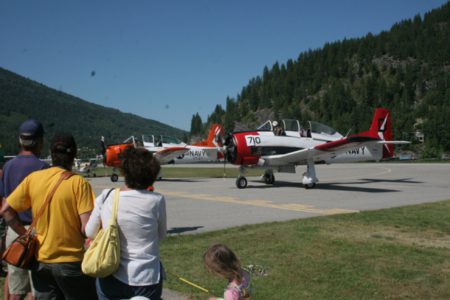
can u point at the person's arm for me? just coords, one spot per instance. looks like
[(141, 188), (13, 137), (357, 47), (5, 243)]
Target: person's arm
[(84, 218), (17, 201), (94, 223), (162, 219), (12, 219)]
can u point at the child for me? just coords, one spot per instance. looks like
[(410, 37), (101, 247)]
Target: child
[(220, 260)]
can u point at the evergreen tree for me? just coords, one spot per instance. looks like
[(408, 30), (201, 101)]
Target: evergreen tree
[(196, 125)]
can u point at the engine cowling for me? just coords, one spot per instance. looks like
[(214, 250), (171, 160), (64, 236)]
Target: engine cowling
[(241, 148), (113, 154)]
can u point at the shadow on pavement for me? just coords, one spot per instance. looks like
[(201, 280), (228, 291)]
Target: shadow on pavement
[(177, 230)]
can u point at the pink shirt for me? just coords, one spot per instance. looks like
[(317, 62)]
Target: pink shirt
[(233, 290)]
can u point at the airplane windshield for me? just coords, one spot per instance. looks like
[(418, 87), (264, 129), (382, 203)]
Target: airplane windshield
[(267, 126), (170, 140), (320, 128), (147, 138)]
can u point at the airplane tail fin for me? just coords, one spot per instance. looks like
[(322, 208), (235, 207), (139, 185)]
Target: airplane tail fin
[(382, 128), (215, 132)]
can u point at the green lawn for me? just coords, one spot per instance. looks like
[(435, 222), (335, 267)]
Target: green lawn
[(393, 253)]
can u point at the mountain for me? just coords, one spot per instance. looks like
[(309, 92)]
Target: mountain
[(22, 98), (405, 69)]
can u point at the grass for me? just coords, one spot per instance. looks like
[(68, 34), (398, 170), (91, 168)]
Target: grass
[(207, 172), (392, 253)]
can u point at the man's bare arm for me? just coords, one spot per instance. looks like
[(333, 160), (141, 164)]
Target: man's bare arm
[(12, 219), (84, 218)]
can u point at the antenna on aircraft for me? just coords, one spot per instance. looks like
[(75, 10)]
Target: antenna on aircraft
[(348, 132)]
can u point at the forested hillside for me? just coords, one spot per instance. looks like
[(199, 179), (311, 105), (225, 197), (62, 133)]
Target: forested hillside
[(21, 98), (405, 69)]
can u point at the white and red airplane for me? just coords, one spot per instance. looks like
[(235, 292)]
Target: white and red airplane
[(167, 149), (315, 143)]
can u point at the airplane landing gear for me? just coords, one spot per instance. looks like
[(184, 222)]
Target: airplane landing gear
[(309, 177), (114, 177), (241, 182), (309, 186), (268, 177)]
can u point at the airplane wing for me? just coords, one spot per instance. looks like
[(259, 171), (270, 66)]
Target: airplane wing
[(167, 154), (324, 151)]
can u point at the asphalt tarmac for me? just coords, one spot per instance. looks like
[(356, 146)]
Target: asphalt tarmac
[(197, 205)]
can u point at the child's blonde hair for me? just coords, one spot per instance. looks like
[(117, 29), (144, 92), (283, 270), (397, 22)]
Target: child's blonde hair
[(220, 260)]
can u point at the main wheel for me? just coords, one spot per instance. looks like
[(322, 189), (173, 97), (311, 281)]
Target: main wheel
[(310, 186), (241, 182), (114, 177), (269, 178)]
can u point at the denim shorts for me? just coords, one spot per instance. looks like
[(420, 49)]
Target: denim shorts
[(62, 281)]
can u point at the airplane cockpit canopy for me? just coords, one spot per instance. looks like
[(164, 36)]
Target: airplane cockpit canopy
[(287, 124), (291, 125), (320, 128), (266, 126), (166, 139), (309, 129), (160, 139)]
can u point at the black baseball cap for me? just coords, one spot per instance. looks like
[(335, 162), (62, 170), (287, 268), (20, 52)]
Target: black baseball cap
[(64, 143)]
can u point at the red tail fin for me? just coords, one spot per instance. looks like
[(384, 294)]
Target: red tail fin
[(382, 128), (215, 131)]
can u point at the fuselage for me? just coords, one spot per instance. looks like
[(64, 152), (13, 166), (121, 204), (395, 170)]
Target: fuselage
[(249, 147)]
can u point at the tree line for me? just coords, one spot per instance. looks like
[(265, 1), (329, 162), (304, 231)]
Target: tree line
[(405, 69)]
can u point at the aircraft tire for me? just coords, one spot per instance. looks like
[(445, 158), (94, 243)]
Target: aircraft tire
[(114, 177), (269, 178), (310, 186), (241, 182)]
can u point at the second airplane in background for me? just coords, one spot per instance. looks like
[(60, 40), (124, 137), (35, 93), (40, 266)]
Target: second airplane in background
[(167, 149)]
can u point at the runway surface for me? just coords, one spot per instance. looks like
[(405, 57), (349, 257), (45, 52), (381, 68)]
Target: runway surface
[(202, 204)]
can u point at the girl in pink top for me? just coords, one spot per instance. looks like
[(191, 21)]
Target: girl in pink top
[(220, 260)]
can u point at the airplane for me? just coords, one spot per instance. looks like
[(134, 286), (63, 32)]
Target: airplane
[(166, 149), (204, 151), (308, 145)]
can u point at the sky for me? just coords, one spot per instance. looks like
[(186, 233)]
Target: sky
[(167, 60)]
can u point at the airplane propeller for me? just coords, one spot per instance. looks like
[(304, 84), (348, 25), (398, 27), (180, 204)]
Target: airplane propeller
[(225, 142)]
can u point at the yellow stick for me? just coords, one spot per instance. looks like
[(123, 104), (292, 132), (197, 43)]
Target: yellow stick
[(190, 283), (194, 285)]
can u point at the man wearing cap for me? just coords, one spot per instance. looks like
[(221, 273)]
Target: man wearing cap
[(60, 230), (31, 135)]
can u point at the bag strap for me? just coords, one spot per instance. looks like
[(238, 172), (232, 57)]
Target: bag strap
[(107, 194), (115, 207), (65, 175)]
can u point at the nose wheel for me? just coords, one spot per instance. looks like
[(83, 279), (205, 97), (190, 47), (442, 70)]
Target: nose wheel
[(241, 182)]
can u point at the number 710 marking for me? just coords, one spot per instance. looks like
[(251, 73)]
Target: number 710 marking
[(252, 140)]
